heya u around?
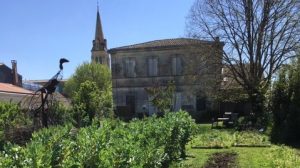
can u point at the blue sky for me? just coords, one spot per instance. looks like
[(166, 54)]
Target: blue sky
[(37, 33)]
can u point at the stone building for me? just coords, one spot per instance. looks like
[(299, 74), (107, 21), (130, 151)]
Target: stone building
[(193, 65), (10, 75)]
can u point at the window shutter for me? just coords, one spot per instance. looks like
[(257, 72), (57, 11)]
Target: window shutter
[(127, 67), (132, 68), (152, 66), (150, 71), (174, 66), (154, 62), (178, 66)]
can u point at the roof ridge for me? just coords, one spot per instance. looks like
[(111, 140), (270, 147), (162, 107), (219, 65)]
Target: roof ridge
[(162, 43)]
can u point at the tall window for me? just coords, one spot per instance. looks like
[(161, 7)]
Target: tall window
[(200, 103), (176, 66), (152, 66), (130, 67), (99, 60)]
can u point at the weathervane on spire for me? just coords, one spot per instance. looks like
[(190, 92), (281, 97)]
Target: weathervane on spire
[(97, 5)]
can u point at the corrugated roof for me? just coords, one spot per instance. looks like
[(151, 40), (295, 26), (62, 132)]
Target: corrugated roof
[(6, 87), (163, 43)]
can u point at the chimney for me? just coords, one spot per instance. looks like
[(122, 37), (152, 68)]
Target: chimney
[(15, 77)]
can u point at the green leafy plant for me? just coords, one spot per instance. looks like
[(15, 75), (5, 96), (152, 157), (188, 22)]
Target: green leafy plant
[(283, 156), (250, 138), (162, 96), (213, 139), (13, 121), (90, 89), (151, 142)]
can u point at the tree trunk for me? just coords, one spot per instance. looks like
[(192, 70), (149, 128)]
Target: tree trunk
[(257, 108)]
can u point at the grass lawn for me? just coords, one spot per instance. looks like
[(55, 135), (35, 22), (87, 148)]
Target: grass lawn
[(252, 157)]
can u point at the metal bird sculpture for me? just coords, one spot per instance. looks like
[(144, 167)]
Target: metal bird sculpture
[(51, 85), (43, 94)]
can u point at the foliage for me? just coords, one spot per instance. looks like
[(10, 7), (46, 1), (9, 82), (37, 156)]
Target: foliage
[(285, 104), (284, 157), (98, 73), (12, 119), (152, 142), (162, 96), (11, 116), (250, 138), (256, 157), (91, 91), (89, 103), (213, 139), (234, 95), (59, 114), (259, 37)]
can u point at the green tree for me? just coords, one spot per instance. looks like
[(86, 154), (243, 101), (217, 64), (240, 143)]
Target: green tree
[(98, 73), (90, 89), (162, 96), (259, 37), (285, 104)]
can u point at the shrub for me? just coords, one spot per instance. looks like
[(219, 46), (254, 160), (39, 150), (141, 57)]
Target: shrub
[(87, 104), (11, 116), (14, 124), (59, 114), (152, 142), (100, 77)]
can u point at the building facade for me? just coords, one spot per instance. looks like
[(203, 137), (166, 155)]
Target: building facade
[(193, 65)]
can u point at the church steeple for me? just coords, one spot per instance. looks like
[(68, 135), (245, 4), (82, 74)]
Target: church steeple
[(99, 42), (99, 50)]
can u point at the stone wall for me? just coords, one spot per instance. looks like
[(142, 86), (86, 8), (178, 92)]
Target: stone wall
[(200, 70)]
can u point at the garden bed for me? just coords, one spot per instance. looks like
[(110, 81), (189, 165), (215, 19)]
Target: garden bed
[(224, 160), (216, 139)]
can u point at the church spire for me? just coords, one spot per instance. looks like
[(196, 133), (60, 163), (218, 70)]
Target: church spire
[(99, 33), (99, 42), (99, 50)]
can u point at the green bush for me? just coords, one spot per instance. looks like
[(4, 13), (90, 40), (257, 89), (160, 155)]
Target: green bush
[(11, 116), (91, 81), (87, 104), (151, 142), (59, 114), (14, 124)]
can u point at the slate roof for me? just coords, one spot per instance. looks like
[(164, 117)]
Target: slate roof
[(176, 42)]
